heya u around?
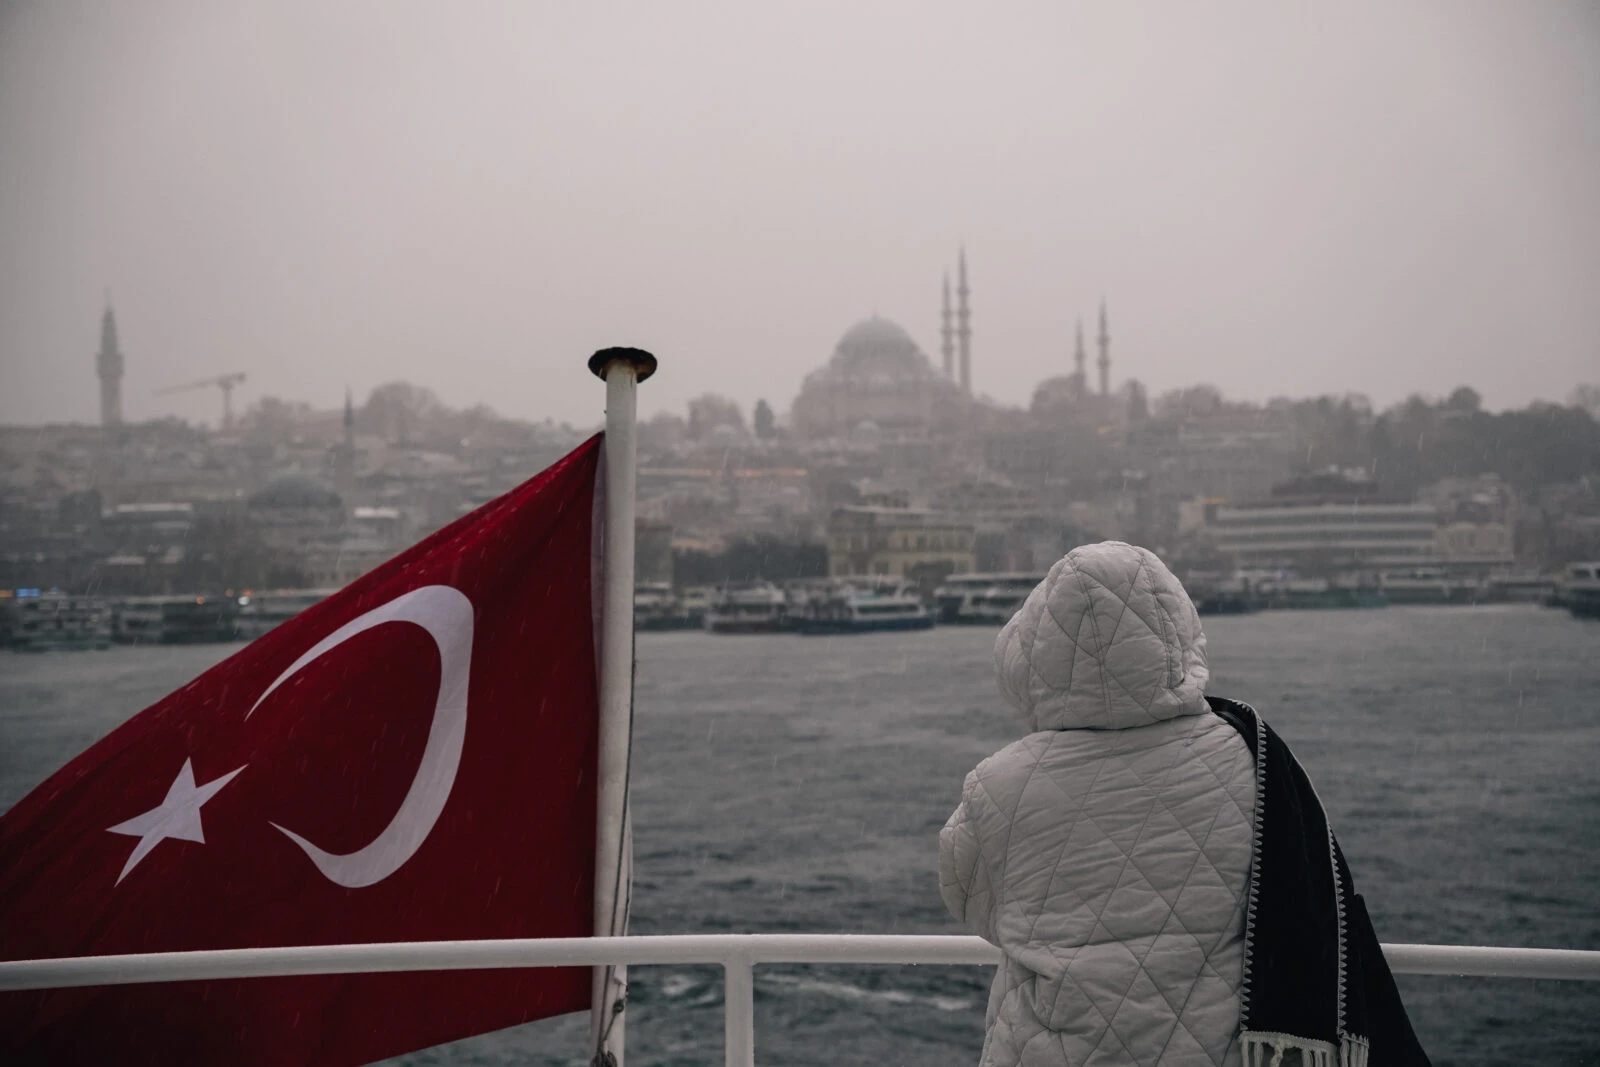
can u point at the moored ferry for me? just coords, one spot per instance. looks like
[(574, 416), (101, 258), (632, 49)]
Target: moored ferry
[(752, 608), (1520, 589), (1318, 593), (262, 612), (50, 621), (982, 599), (853, 609), (1431, 585), (1579, 591), (1215, 594), (176, 620), (657, 607)]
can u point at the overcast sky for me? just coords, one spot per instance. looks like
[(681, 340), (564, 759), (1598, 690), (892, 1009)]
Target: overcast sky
[(1378, 197)]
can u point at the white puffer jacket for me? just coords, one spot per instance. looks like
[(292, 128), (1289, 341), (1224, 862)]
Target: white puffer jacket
[(1108, 851)]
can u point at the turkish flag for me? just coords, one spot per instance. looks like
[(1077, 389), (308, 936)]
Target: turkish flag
[(413, 759)]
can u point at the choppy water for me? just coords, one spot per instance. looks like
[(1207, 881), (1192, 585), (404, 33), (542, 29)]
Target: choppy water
[(798, 784)]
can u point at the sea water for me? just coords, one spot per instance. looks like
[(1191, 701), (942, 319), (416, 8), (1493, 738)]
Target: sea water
[(798, 784)]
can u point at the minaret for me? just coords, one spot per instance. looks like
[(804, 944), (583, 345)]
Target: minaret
[(946, 344), (344, 454), (1105, 353), (1079, 358), (964, 323), (108, 362), (349, 421)]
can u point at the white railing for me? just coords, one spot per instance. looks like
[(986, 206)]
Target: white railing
[(737, 954)]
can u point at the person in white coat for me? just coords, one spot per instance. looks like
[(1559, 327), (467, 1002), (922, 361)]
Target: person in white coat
[(1115, 853)]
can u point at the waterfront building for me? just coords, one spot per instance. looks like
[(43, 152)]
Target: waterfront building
[(1323, 537), (1487, 546), (897, 542), (1477, 523), (144, 546), (1335, 521), (144, 527)]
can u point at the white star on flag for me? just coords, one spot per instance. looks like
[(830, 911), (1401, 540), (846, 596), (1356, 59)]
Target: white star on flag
[(177, 816)]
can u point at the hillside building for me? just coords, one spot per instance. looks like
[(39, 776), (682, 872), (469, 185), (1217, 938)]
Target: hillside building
[(897, 542)]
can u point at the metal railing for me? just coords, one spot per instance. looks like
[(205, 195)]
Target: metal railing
[(737, 954)]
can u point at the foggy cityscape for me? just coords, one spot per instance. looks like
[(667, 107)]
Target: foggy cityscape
[(881, 441), (1303, 303)]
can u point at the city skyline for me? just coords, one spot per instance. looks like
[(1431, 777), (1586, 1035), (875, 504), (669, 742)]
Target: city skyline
[(1271, 202), (110, 395)]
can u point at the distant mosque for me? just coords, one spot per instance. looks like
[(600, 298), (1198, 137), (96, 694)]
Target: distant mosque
[(1070, 394), (878, 379)]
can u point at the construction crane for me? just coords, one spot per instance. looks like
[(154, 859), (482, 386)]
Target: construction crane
[(225, 382)]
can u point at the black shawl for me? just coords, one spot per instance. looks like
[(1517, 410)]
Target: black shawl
[(1315, 979)]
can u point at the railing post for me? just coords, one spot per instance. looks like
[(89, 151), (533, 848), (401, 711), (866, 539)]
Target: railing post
[(739, 1020)]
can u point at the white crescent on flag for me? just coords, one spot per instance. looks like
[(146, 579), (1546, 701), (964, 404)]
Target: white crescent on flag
[(446, 614)]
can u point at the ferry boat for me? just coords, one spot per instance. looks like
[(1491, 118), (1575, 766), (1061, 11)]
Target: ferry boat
[(1223, 596), (695, 603), (853, 609), (982, 599), (1430, 585), (1520, 589), (1225, 602), (1580, 590), (752, 608), (45, 622), (176, 620), (1318, 593), (656, 607), (262, 612)]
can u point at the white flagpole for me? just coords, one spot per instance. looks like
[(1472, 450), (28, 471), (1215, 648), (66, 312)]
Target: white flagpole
[(622, 369)]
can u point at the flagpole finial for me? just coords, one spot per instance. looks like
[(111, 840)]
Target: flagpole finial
[(642, 362)]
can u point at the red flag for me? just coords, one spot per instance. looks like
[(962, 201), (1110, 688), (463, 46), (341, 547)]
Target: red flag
[(412, 759)]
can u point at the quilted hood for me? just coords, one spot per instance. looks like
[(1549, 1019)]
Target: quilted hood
[(1109, 640)]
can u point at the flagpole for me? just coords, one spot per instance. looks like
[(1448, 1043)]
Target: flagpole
[(621, 369)]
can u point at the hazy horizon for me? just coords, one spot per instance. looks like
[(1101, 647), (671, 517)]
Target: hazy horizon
[(1368, 198)]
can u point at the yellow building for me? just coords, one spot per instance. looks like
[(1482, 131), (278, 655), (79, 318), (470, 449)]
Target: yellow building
[(1475, 542), (869, 541)]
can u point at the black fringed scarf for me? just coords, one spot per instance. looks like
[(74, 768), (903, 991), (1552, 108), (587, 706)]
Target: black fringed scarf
[(1315, 980)]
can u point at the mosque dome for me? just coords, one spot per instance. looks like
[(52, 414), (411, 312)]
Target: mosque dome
[(877, 374), (876, 330), (878, 346)]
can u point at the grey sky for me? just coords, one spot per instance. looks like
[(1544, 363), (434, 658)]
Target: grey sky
[(1373, 196)]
